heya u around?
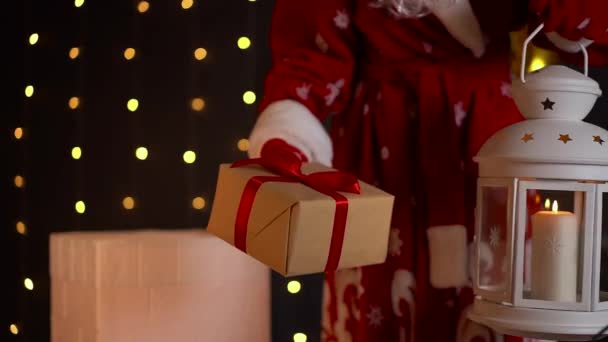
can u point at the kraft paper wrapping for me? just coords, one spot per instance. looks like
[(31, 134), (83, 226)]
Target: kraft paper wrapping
[(290, 226)]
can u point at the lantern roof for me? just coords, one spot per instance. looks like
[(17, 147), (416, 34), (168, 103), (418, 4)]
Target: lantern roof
[(561, 78), (553, 142)]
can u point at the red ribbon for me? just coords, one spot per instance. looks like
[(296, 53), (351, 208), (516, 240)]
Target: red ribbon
[(287, 166)]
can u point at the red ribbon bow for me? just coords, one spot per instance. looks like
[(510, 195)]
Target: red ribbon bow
[(284, 162)]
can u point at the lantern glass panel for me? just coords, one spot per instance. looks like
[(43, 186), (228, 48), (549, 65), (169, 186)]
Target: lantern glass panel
[(603, 293), (553, 258), (493, 239)]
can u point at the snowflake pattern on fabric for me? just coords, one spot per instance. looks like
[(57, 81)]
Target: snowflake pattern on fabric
[(459, 114), (303, 91), (584, 23), (505, 89), (385, 153), (428, 48), (342, 19), (321, 42), (375, 316), (334, 91), (395, 243)]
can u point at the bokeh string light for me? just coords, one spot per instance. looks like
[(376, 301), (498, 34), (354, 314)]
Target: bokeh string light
[(32, 48), (143, 6), (196, 110), (76, 110), (128, 196)]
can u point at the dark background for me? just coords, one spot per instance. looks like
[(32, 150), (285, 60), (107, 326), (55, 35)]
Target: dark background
[(164, 77)]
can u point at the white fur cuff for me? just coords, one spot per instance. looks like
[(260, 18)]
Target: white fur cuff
[(448, 256), (294, 123), (567, 45), (459, 19)]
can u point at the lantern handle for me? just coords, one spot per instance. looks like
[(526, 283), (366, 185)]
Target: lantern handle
[(522, 72)]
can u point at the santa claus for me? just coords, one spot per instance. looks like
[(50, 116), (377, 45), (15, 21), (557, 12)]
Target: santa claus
[(410, 90)]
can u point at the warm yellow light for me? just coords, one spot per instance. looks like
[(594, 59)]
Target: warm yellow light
[(21, 228), (76, 152), (187, 4), (198, 104), (299, 337), (19, 181), (78, 3), (554, 207), (80, 207), (143, 6), (243, 145), (294, 286), (141, 153), (198, 203), (243, 43), (132, 104), (129, 53), (537, 64), (18, 133), (33, 38), (28, 283), (200, 54), (73, 102), (249, 97), (189, 157), (29, 90), (74, 52), (14, 329), (547, 203), (128, 203)]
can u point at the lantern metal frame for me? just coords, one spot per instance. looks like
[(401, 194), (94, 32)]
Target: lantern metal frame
[(596, 303)]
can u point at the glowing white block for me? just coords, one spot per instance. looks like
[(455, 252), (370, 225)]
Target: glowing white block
[(153, 286)]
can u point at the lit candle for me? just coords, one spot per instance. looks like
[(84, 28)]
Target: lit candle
[(554, 255)]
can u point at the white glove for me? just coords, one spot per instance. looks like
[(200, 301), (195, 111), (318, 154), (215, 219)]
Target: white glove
[(292, 122)]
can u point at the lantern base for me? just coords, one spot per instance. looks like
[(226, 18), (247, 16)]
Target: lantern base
[(544, 324)]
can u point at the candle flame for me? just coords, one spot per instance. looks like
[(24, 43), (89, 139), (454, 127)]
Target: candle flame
[(547, 203), (554, 207)]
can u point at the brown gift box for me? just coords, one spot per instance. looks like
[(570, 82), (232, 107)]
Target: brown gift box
[(290, 225)]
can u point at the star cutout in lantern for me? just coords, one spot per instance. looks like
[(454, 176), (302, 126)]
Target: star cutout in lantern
[(564, 138), (547, 104), (527, 137), (598, 139)]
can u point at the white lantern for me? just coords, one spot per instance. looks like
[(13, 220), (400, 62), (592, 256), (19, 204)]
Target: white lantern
[(541, 227)]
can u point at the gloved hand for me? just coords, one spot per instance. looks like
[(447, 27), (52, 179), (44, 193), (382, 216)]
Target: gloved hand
[(568, 22), (289, 125), (281, 147)]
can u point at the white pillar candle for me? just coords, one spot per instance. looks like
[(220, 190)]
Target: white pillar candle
[(554, 255)]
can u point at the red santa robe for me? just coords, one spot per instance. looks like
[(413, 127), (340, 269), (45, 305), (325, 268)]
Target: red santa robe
[(411, 101)]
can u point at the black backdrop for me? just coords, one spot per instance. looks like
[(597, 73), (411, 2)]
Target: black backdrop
[(164, 77)]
